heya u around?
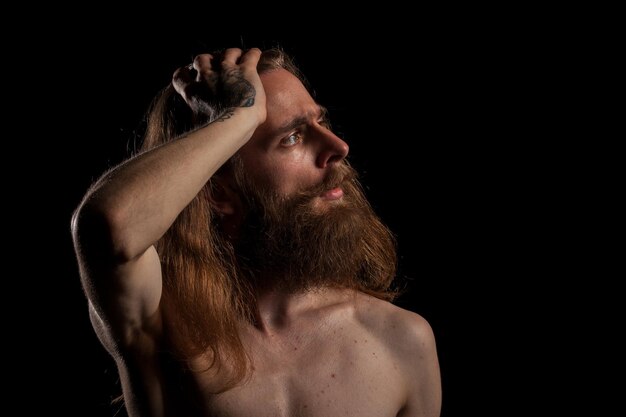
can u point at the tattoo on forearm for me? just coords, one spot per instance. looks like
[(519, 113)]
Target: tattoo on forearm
[(226, 115)]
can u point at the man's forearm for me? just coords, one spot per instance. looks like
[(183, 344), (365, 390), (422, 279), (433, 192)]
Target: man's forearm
[(140, 199)]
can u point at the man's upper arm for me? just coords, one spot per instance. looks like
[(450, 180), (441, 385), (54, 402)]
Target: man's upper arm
[(125, 296)]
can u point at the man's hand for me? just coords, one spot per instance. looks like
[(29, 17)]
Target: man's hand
[(212, 88)]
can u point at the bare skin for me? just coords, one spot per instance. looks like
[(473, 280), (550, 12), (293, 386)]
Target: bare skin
[(321, 353)]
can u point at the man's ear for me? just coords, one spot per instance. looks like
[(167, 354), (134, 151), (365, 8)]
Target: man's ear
[(223, 196)]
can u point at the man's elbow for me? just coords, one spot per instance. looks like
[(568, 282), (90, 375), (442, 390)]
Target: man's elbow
[(97, 232)]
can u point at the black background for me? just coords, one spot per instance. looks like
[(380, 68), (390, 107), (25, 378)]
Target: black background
[(440, 130)]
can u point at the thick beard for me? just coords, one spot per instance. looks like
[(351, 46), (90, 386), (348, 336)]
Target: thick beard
[(294, 245)]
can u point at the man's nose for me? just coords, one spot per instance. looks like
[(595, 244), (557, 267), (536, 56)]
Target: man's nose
[(332, 148)]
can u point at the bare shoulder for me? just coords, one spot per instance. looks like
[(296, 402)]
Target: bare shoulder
[(409, 339), (405, 331)]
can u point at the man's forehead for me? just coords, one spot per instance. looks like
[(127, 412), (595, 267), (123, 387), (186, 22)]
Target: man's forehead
[(287, 98)]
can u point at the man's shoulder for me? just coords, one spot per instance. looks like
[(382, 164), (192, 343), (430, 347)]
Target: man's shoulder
[(409, 341), (404, 331)]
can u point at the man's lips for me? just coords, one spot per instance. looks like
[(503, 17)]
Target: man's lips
[(333, 194)]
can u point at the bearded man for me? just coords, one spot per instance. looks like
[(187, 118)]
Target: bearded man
[(234, 267)]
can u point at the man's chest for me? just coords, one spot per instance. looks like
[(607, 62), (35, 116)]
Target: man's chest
[(339, 380)]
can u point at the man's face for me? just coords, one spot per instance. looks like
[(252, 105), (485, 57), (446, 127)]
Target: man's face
[(293, 150), (306, 221)]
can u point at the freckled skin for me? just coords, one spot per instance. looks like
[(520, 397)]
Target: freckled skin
[(381, 377)]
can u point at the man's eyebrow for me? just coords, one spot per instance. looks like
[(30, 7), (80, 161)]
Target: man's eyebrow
[(301, 120)]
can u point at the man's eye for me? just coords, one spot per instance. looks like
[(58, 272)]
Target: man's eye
[(291, 140)]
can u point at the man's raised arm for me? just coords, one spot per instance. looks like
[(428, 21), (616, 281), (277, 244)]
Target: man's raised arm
[(131, 207)]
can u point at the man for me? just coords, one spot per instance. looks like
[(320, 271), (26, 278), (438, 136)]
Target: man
[(234, 267)]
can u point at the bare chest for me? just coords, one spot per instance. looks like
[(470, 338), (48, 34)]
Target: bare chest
[(347, 376)]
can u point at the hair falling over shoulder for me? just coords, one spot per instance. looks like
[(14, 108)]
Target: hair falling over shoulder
[(205, 298), (202, 294)]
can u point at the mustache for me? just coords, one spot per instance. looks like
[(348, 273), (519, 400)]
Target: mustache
[(337, 177)]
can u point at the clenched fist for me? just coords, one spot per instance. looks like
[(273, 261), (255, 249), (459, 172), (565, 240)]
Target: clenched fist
[(214, 86)]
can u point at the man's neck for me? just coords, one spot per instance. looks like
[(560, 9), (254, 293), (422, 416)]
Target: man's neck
[(278, 310)]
